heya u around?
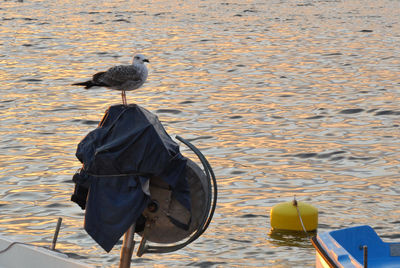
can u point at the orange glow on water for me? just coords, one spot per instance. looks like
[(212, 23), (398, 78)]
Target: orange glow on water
[(282, 97)]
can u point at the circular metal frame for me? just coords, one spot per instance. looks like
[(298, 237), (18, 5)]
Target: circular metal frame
[(211, 205)]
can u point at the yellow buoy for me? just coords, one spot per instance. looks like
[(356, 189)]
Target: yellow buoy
[(293, 216)]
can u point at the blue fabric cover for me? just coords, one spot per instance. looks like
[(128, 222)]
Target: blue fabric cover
[(128, 147)]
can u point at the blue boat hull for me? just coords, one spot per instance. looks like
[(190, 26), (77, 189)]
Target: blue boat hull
[(345, 248)]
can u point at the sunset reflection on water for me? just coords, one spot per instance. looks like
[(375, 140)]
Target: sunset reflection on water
[(283, 97)]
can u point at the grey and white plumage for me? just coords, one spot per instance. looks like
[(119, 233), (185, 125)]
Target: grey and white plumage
[(121, 77)]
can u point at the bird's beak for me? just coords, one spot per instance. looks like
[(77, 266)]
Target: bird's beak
[(146, 60)]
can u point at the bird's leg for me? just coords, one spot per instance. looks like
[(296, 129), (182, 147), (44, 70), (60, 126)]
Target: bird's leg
[(124, 98)]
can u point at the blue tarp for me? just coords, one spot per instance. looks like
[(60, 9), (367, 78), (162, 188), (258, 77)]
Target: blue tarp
[(129, 146)]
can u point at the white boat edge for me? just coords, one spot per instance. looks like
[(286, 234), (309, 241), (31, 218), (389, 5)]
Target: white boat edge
[(321, 260), (24, 255)]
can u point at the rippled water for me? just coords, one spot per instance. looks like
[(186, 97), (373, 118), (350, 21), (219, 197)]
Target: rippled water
[(284, 98)]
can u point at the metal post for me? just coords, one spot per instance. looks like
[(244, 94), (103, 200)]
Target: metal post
[(53, 245), (365, 256), (127, 248)]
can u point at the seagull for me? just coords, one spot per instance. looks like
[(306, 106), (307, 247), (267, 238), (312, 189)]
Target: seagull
[(121, 77)]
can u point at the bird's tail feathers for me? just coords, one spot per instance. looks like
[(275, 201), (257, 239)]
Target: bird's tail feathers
[(88, 84)]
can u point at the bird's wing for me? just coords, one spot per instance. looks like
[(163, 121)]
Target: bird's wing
[(118, 75)]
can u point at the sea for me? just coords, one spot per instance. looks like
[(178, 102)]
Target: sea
[(285, 98)]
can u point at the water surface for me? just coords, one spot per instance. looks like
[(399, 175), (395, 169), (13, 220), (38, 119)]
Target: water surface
[(283, 97)]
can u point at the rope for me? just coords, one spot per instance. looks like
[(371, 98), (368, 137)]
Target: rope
[(13, 244), (298, 213)]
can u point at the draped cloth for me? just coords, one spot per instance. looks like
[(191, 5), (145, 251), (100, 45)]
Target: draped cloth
[(129, 146)]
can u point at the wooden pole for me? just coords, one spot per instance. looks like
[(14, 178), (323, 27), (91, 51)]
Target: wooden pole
[(127, 248)]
